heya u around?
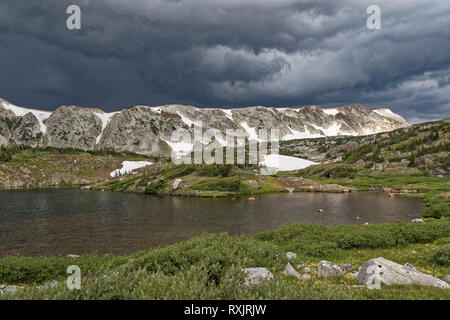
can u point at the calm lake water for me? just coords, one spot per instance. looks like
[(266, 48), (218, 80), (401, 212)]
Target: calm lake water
[(65, 221)]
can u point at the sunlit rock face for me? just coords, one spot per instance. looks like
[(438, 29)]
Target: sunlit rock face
[(148, 129)]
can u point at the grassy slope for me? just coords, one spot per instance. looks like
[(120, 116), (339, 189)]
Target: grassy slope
[(410, 145), (50, 167), (207, 267)]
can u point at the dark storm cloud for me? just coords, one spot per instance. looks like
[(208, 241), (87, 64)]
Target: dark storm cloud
[(227, 53)]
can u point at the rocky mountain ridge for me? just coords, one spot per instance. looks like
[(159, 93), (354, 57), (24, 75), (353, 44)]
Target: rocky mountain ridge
[(148, 129)]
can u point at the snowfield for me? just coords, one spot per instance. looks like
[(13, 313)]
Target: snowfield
[(128, 166), (285, 163), (331, 111), (20, 112), (105, 117)]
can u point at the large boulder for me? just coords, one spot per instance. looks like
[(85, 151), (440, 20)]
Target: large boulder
[(326, 269), (256, 275), (381, 270)]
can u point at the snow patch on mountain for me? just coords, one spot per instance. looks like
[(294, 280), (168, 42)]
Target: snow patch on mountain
[(332, 130), (331, 111), (300, 135), (129, 166), (20, 112), (285, 163), (104, 117), (228, 113), (387, 113), (187, 121), (251, 132)]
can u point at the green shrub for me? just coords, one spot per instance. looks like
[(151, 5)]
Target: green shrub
[(5, 156), (437, 209), (214, 253), (21, 270), (214, 170), (154, 186), (178, 171), (219, 184), (340, 172), (442, 256), (319, 241)]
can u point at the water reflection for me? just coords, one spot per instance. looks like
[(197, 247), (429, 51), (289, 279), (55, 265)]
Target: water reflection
[(63, 221)]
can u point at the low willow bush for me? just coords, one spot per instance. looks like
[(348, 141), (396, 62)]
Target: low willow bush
[(26, 270), (193, 283), (323, 241), (214, 253), (219, 184), (442, 256)]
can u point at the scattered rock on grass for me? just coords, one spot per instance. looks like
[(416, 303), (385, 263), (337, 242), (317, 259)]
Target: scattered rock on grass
[(327, 269), (291, 255), (256, 275), (176, 183), (290, 271), (7, 289), (305, 277), (346, 267), (50, 284), (307, 270)]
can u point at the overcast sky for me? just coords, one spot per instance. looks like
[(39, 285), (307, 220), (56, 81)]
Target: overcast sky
[(229, 53)]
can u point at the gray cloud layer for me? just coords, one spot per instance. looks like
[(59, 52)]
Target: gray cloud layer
[(228, 53)]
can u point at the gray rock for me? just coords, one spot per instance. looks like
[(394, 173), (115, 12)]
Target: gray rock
[(354, 274), (73, 256), (447, 279), (73, 127), (8, 289), (327, 269), (417, 220), (409, 266), (305, 277), (48, 285), (290, 271), (176, 183), (291, 255), (256, 275), (346, 267), (388, 272), (307, 270)]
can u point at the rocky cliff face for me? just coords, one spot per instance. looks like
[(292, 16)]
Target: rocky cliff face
[(147, 130)]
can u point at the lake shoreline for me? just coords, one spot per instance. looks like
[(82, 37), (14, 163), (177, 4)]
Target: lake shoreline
[(182, 266)]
